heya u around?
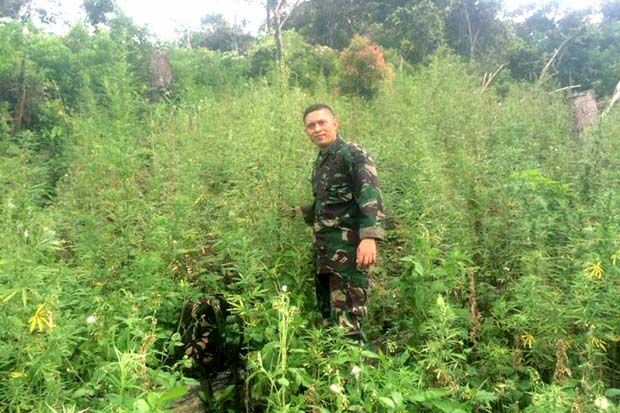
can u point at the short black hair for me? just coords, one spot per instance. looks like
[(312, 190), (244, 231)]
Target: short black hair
[(317, 106)]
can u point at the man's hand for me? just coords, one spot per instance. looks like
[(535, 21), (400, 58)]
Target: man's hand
[(366, 252), (288, 211)]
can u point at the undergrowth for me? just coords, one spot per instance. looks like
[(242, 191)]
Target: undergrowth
[(495, 290)]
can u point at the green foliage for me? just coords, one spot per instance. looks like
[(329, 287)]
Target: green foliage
[(589, 57), (481, 31), (97, 11), (474, 29), (497, 285), (610, 10), (218, 34), (326, 22), (201, 71), (417, 31), (308, 66), (12, 8), (362, 69)]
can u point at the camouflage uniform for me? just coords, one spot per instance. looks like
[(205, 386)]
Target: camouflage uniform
[(347, 207)]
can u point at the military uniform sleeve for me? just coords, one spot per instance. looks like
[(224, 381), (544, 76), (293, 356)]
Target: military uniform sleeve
[(367, 195), (307, 212)]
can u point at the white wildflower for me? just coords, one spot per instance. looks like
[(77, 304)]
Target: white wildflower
[(284, 288), (355, 371), (335, 388), (601, 402), (91, 319)]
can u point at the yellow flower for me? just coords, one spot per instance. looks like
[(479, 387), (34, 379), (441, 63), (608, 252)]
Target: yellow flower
[(199, 199), (594, 270), (597, 343), (17, 374), (41, 320), (528, 340), (615, 257)]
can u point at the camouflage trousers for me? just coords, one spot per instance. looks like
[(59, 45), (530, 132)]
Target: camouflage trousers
[(342, 299)]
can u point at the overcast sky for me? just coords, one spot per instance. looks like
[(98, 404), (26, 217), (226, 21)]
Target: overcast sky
[(163, 17)]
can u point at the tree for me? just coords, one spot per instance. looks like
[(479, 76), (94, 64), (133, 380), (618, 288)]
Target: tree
[(362, 68), (136, 40), (280, 11), (334, 22), (13, 8), (611, 10), (330, 23), (473, 26), (570, 48), (97, 11), (416, 30), (218, 34)]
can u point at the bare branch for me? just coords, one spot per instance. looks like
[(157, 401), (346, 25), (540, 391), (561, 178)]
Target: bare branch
[(289, 13), (490, 77), (566, 88), (551, 61), (613, 100), (471, 38)]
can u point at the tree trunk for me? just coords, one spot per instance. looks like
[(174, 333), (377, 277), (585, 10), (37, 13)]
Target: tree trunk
[(279, 18), (584, 110), (278, 39), (472, 41)]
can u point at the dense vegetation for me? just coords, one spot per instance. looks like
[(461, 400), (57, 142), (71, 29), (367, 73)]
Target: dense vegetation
[(496, 289)]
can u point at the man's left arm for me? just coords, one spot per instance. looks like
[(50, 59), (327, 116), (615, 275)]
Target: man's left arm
[(370, 203)]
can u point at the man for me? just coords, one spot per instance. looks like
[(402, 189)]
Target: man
[(347, 219)]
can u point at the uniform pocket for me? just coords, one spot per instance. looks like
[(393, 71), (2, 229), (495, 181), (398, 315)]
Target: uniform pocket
[(339, 192)]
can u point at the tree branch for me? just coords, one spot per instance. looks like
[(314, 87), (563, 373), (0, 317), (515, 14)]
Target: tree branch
[(613, 100), (289, 14), (566, 88), (471, 39), (550, 62), (489, 77)]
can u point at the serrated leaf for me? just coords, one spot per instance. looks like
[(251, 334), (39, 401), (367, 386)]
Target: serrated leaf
[(485, 396), (387, 402), (300, 377), (435, 394), (397, 397), (369, 354), (611, 393), (447, 406), (418, 268), (141, 406), (173, 394)]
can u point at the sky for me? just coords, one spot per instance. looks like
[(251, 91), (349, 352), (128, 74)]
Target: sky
[(165, 17)]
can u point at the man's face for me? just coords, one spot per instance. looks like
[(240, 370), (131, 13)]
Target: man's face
[(321, 127)]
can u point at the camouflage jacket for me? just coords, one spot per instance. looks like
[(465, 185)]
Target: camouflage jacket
[(347, 203)]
